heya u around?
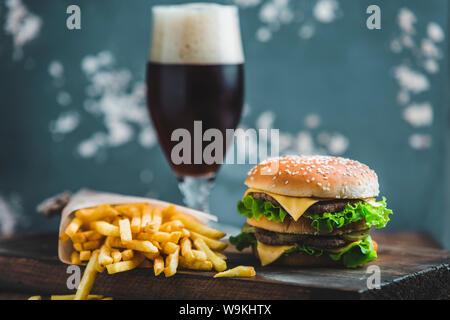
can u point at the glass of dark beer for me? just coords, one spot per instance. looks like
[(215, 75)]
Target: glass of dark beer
[(195, 82)]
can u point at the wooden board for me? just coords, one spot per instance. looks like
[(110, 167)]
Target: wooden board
[(411, 267)]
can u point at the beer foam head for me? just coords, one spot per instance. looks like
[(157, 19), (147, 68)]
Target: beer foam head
[(197, 33)]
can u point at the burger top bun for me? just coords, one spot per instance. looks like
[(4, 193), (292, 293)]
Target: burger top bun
[(314, 176)]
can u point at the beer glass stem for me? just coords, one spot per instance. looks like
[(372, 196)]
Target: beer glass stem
[(196, 191)]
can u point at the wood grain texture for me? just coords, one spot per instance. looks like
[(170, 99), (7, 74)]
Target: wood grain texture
[(412, 266)]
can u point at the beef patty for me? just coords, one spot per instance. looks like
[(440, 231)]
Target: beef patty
[(334, 205), (318, 242)]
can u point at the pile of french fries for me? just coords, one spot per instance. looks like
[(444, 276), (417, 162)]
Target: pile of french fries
[(139, 235)]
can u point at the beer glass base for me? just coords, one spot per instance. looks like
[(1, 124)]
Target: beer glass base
[(196, 191)]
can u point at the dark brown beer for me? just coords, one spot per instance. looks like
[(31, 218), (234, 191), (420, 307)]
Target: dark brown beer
[(179, 94)]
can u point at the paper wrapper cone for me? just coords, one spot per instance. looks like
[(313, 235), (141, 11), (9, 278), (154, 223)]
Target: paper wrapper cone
[(88, 198)]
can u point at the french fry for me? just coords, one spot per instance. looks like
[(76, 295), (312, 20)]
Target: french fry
[(108, 298), (156, 244), (72, 297), (99, 267), (136, 224), (126, 236), (218, 263), (171, 263), (87, 281), (125, 230), (105, 228), (170, 248), (166, 237), (193, 224), (138, 245), (85, 236), (75, 258), (240, 271), (116, 255), (73, 227), (96, 213), (195, 264), (144, 236), (114, 242), (186, 249), (185, 233), (92, 235), (35, 298), (170, 211), (158, 265), (85, 255), (104, 257), (127, 254), (151, 256), (79, 237), (91, 245), (125, 265), (115, 221), (212, 243), (156, 219), (141, 245), (199, 255), (174, 225), (146, 215), (128, 210), (63, 237)]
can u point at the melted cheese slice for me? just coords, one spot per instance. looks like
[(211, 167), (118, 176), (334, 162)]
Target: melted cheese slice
[(268, 254), (294, 206), (351, 244)]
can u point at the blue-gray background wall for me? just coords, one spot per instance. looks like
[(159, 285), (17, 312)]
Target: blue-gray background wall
[(313, 70)]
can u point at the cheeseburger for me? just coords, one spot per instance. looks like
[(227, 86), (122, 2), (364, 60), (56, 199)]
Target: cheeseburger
[(311, 211)]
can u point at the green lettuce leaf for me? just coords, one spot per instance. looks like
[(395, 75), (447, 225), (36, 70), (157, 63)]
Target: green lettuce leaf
[(377, 216), (243, 240), (356, 255), (303, 249), (353, 256), (257, 208)]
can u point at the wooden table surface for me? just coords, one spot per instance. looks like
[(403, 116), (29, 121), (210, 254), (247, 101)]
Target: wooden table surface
[(412, 266)]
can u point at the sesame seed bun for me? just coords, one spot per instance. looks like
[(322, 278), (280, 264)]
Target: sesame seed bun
[(314, 176)]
